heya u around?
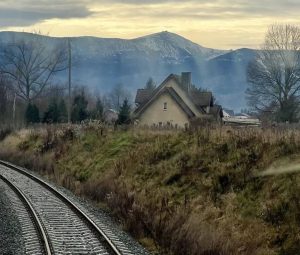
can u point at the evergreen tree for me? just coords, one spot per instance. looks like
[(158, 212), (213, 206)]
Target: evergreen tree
[(52, 113), (32, 114), (99, 109), (56, 112), (63, 114), (150, 85), (124, 114), (79, 111), (97, 113)]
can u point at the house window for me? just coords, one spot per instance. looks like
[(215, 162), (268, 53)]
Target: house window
[(165, 106)]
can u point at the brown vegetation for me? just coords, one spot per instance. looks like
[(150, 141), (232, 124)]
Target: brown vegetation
[(179, 192)]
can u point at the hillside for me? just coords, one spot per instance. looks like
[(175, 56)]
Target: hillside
[(226, 74), (102, 62), (196, 192)]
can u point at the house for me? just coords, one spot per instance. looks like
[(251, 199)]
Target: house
[(241, 119), (110, 116), (175, 102), (227, 113), (243, 116)]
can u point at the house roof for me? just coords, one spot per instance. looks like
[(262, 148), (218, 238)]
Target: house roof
[(153, 94), (177, 78), (199, 99), (142, 95), (216, 111), (112, 110), (179, 100), (230, 112)]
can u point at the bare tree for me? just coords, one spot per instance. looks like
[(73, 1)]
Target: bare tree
[(31, 65), (3, 96), (274, 76), (106, 102), (118, 95)]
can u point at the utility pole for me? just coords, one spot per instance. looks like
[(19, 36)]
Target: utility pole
[(14, 111), (70, 73)]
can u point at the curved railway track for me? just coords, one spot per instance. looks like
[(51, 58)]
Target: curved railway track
[(61, 226), (35, 238)]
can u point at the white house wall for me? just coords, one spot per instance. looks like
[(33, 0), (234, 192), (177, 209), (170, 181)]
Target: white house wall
[(156, 114)]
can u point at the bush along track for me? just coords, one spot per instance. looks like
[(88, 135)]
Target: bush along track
[(178, 192)]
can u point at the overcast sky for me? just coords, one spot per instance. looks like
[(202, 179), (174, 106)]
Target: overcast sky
[(225, 24)]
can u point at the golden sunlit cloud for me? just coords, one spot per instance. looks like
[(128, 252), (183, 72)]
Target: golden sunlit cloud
[(218, 24)]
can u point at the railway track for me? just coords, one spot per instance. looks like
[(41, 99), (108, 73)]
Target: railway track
[(35, 240), (56, 224)]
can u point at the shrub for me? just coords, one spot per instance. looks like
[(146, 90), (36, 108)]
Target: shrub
[(32, 114), (4, 132)]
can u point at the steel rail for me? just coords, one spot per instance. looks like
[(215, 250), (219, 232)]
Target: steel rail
[(39, 226), (73, 206)]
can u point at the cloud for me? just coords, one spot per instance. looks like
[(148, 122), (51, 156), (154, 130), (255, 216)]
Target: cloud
[(213, 23), (149, 2), (215, 7), (26, 12)]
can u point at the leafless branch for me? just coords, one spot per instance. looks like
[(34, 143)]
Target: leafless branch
[(31, 65), (274, 76)]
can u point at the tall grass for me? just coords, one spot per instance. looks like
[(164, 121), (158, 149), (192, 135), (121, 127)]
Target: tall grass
[(179, 192)]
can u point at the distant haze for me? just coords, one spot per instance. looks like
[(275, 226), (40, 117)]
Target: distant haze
[(102, 63)]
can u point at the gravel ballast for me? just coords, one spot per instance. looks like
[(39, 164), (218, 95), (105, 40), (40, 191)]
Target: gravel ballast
[(11, 241), (100, 217)]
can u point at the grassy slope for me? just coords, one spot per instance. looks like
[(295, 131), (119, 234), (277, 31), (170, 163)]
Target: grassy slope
[(178, 192)]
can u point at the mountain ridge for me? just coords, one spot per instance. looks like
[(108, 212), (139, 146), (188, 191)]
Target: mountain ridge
[(103, 62)]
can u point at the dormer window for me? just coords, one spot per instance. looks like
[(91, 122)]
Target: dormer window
[(165, 106)]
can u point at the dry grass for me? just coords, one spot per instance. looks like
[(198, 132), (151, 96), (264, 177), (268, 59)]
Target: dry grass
[(180, 192)]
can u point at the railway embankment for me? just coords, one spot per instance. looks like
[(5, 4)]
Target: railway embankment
[(178, 192)]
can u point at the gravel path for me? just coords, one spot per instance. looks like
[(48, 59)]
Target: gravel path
[(11, 241)]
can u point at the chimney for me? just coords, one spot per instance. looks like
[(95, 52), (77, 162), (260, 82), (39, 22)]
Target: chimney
[(186, 80)]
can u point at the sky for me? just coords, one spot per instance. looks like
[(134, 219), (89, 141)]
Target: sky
[(222, 24)]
